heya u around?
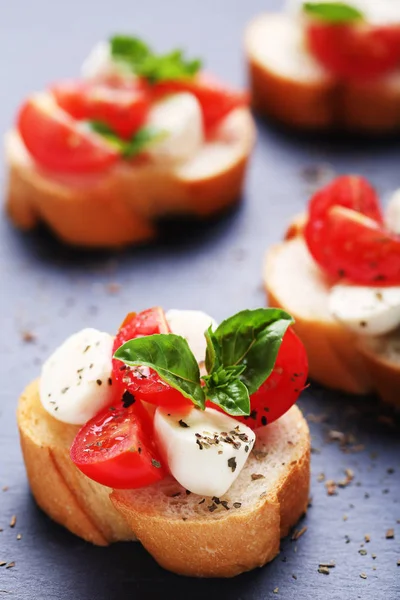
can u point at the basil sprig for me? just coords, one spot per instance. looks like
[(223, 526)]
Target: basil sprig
[(144, 62), (241, 354), (141, 140), (333, 12)]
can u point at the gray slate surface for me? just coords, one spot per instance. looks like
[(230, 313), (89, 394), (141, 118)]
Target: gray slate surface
[(54, 291)]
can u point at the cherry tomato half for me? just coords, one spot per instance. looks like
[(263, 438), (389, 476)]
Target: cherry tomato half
[(355, 52), (346, 236), (123, 110), (358, 248), (144, 383), (216, 100), (282, 388), (55, 142), (350, 191), (115, 448)]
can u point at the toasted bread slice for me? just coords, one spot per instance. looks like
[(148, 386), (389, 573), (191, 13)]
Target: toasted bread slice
[(119, 207), (337, 357), (180, 530), (197, 536), (289, 85), (59, 488)]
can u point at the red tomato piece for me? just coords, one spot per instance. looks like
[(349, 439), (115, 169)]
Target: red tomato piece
[(357, 248), (216, 100), (55, 142), (123, 110), (346, 235), (356, 52), (115, 448), (350, 191), (282, 388), (144, 383)]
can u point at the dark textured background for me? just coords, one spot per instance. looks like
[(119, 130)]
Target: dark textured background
[(52, 291)]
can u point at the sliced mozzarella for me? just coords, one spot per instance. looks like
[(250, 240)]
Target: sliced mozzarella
[(179, 119), (366, 310), (191, 325), (392, 216), (100, 64), (205, 450), (76, 380), (377, 12)]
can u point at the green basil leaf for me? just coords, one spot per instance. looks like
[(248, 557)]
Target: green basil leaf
[(142, 139), (129, 49), (213, 353), (154, 67), (252, 338), (333, 12), (233, 398), (170, 356), (138, 143)]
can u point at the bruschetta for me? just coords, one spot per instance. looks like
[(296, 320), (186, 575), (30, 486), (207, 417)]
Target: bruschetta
[(328, 65), (338, 273), (140, 136), (176, 432)]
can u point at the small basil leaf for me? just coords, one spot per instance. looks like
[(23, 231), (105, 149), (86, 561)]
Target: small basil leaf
[(333, 12), (253, 338), (233, 398), (170, 356), (213, 353), (129, 49), (154, 67), (141, 140)]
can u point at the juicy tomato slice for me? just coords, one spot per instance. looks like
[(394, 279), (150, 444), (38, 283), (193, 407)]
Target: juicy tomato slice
[(55, 142), (355, 52), (281, 389), (350, 191), (216, 100), (124, 110), (144, 383), (115, 449), (346, 235), (357, 248)]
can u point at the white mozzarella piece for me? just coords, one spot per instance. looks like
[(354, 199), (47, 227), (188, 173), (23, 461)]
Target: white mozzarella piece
[(99, 64), (366, 310), (191, 325), (180, 121), (204, 468), (75, 383), (376, 11), (392, 216)]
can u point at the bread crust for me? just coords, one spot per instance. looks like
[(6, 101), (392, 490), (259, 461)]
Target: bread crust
[(121, 206), (290, 102), (323, 103), (385, 375), (236, 541), (59, 488), (338, 358), (239, 540)]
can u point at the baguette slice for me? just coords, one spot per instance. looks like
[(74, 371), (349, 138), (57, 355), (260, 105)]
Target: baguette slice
[(180, 531), (59, 488), (337, 357), (120, 206), (289, 85), (186, 535)]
